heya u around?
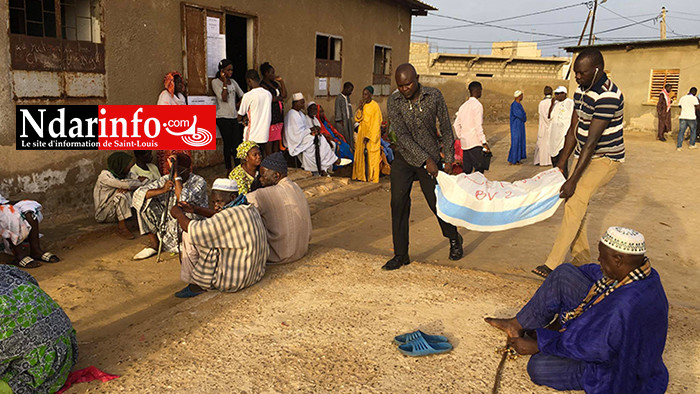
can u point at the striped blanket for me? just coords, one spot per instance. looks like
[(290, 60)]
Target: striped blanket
[(475, 203)]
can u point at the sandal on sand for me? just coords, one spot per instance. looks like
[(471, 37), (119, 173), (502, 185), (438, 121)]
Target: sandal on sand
[(405, 338), (145, 253), (542, 271), (49, 257), (187, 293), (27, 262), (420, 347)]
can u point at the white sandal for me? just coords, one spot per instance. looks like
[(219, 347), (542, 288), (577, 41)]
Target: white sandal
[(145, 253)]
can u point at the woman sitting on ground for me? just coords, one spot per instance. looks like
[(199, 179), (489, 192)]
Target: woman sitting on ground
[(112, 193), (38, 347), (244, 174), (19, 221)]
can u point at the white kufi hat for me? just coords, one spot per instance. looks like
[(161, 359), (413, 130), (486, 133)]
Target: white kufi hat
[(624, 240), (225, 185)]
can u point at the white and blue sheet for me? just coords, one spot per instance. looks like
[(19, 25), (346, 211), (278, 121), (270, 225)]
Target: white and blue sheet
[(475, 203)]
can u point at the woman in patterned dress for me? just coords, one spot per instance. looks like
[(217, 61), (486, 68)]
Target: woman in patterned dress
[(244, 174), (38, 347)]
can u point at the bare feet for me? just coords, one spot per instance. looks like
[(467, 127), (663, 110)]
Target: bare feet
[(510, 326), (124, 233)]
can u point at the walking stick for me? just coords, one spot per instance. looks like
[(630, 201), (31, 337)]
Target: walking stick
[(162, 225)]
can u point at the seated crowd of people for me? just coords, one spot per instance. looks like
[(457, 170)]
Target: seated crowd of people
[(258, 215)]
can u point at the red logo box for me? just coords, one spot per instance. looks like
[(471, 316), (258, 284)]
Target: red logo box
[(187, 127)]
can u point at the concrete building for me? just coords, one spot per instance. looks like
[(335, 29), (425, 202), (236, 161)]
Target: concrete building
[(641, 69), (501, 73), (117, 52)]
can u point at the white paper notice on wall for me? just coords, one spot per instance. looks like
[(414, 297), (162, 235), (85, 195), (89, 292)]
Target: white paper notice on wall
[(216, 50), (213, 26), (323, 84), (201, 100)]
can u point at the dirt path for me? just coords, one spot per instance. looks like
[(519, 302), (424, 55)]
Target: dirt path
[(326, 322)]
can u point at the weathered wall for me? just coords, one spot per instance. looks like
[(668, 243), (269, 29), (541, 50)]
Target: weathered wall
[(470, 65), (143, 41), (497, 96), (631, 72)]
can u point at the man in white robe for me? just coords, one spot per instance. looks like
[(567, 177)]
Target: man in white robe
[(542, 157), (305, 139), (560, 121)]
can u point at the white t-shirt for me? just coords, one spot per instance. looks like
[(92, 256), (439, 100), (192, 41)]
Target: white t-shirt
[(257, 105), (688, 103)]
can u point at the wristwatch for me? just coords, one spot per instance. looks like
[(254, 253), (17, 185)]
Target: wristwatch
[(225, 88), (177, 178)]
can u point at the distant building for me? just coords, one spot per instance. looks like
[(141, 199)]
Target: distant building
[(512, 66), (642, 68), (511, 59)]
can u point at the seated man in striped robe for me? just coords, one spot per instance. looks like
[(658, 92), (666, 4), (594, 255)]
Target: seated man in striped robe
[(228, 250)]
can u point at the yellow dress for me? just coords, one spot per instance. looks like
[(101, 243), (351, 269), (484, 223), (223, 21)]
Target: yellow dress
[(370, 119)]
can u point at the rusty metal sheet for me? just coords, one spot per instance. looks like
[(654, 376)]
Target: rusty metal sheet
[(381, 79), (81, 56), (35, 53), (329, 68)]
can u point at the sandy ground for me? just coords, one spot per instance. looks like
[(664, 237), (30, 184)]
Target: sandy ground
[(326, 322)]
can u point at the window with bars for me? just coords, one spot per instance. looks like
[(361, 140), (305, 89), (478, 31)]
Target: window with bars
[(659, 79), (76, 20), (329, 56), (33, 17), (381, 74)]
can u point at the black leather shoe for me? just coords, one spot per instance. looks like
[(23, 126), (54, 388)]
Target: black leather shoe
[(396, 263), (456, 251)]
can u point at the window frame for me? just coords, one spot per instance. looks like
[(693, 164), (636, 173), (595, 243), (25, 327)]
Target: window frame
[(382, 79), (58, 54), (327, 68), (674, 73)]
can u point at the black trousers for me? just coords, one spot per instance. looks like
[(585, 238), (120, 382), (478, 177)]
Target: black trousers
[(473, 160), (232, 135), (555, 161), (402, 177)]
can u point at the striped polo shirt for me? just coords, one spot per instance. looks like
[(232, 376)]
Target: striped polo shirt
[(602, 101)]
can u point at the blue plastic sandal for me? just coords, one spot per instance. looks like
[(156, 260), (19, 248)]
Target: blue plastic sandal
[(420, 347), (405, 338), (187, 293)]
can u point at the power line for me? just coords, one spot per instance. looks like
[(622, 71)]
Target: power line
[(499, 27), (629, 19), (549, 23), (472, 23)]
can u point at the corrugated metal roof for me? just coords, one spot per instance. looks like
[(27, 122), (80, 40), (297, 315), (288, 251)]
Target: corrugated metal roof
[(638, 44), (417, 7)]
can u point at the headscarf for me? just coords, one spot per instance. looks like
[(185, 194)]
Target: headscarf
[(169, 81), (244, 148), (369, 88), (117, 163)]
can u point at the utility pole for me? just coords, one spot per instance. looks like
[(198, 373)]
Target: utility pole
[(591, 39), (662, 25), (583, 32)]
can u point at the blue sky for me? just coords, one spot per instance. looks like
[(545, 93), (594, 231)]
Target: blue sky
[(682, 18)]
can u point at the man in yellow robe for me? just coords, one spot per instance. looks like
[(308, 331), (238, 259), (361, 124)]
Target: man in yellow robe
[(368, 147)]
